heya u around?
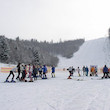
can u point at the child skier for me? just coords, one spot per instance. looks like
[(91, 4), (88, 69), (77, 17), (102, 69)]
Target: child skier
[(11, 73), (53, 71)]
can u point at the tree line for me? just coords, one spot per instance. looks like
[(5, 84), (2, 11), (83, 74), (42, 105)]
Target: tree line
[(35, 52)]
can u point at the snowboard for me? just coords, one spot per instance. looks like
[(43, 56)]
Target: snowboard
[(44, 78), (78, 79), (30, 81), (69, 78), (9, 81)]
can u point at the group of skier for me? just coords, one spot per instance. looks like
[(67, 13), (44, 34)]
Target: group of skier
[(32, 71)]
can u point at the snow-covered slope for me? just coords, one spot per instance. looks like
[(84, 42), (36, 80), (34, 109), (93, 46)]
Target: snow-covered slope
[(93, 52), (59, 93)]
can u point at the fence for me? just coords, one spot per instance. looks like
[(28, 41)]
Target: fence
[(7, 69)]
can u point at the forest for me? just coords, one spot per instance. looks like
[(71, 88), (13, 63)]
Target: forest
[(35, 52)]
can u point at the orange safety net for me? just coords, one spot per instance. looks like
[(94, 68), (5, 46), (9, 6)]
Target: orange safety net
[(6, 69)]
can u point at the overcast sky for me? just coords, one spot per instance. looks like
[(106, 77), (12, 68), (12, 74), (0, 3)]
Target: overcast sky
[(54, 19)]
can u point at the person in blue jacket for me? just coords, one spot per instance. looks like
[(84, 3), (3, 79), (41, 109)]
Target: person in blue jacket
[(86, 70), (53, 71), (44, 72), (105, 72)]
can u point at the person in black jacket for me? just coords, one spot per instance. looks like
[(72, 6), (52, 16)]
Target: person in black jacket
[(35, 72), (19, 70)]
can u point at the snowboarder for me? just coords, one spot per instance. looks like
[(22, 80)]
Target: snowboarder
[(19, 70), (105, 71), (86, 70), (92, 71), (83, 69), (11, 73), (95, 71), (73, 70), (24, 72), (70, 71), (30, 73), (40, 71), (78, 69), (53, 71), (35, 72), (44, 72)]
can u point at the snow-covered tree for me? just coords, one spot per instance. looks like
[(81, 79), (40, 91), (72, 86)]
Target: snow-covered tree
[(4, 49)]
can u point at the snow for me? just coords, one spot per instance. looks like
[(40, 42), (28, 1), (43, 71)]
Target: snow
[(55, 94), (93, 52), (61, 93)]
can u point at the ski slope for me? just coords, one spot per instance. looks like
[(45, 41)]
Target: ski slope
[(93, 52), (55, 94), (60, 93)]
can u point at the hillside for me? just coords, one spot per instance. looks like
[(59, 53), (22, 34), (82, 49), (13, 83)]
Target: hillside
[(93, 52), (35, 52)]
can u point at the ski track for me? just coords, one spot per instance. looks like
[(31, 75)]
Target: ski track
[(100, 101)]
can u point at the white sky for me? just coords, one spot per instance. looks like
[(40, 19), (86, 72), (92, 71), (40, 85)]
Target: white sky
[(54, 19)]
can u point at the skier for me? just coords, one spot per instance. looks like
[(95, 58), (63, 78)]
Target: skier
[(70, 71), (19, 70), (78, 69), (44, 72), (11, 73), (105, 71), (53, 71)]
